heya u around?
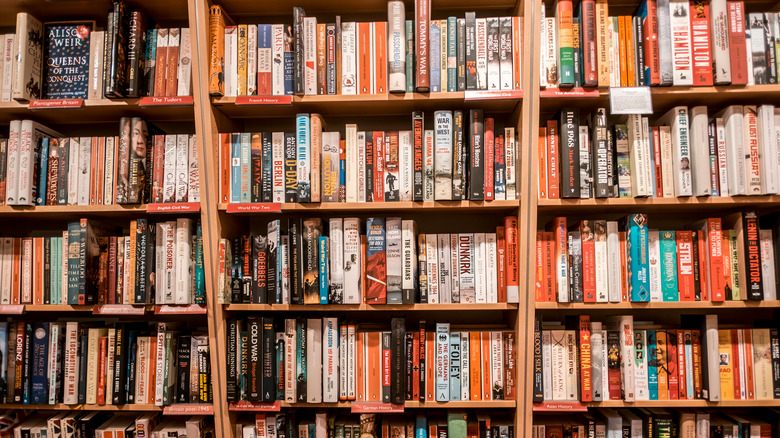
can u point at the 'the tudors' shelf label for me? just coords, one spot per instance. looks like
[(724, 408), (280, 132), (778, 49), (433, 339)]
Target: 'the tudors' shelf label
[(204, 409), (11, 309), (175, 207), (118, 309), (489, 95), (244, 405), (190, 309), (173, 100), (56, 103), (556, 406), (267, 207), (264, 100), (363, 408)]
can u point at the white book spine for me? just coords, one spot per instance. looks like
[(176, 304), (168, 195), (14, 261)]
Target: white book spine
[(654, 265), (768, 274), (480, 275), (73, 177), (160, 370), (719, 28), (454, 271), (342, 362), (372, 59), (336, 256), (625, 325), (28, 56), (723, 173), (348, 58), (85, 163), (428, 165), (277, 145), (193, 180), (310, 55), (753, 175), (667, 161), (303, 147), (547, 369), (352, 254), (183, 261), (351, 162), (466, 268), (613, 262), (96, 41), (543, 50), (351, 344), (9, 62), (596, 351), (169, 169), (252, 55), (445, 278), (71, 372), (510, 160), (736, 150), (290, 372), (182, 167), (432, 256), (108, 180), (571, 374), (482, 48), (639, 156), (277, 66), (314, 360), (649, 166), (284, 252), (604, 365), (142, 371), (409, 256), (159, 261), (184, 85), (602, 272), (558, 364), (12, 166), (231, 60), (491, 267), (330, 360), (700, 150), (751, 79), (677, 118), (54, 351), (640, 362), (405, 164), (768, 150), (681, 42), (7, 270), (442, 362), (396, 46), (465, 364), (168, 285), (551, 56), (361, 166), (443, 156)]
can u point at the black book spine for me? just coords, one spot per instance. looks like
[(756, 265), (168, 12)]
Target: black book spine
[(204, 372), (300, 328), (109, 53), (269, 360), (294, 250), (260, 265), (235, 272), (387, 350), (611, 166), (471, 51), (461, 42), (569, 126), (268, 158), (696, 272), (271, 274), (639, 50), (577, 45), (117, 84), (421, 353), (298, 15), (183, 369), (232, 371), (459, 158), (409, 365), (397, 360), (422, 267), (47, 270), (476, 156), (28, 363), (120, 370), (775, 348), (132, 354), (538, 394), (83, 341), (418, 127), (254, 390), (771, 53), (290, 168), (256, 189), (151, 242), (754, 286), (369, 135), (140, 259), (600, 162), (246, 269), (136, 52), (310, 266)]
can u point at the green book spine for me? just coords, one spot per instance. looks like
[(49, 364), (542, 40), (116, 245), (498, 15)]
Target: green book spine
[(200, 274), (669, 266), (410, 56)]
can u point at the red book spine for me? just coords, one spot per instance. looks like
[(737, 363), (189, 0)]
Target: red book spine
[(364, 57), (705, 296), (650, 30), (659, 188), (748, 347), (488, 150), (623, 267), (588, 262), (542, 157), (735, 364), (672, 366), (700, 43), (379, 166), (540, 294), (715, 241), (416, 366), (101, 383), (588, 44), (158, 169), (549, 275), (737, 43), (685, 266), (586, 383), (613, 365), (112, 242), (501, 250), (553, 160), (422, 15), (681, 367), (510, 371)]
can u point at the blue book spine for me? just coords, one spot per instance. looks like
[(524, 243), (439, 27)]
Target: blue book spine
[(323, 259), (27, 368), (669, 266), (303, 140), (652, 366), (420, 426), (312, 431), (40, 359), (264, 46), (442, 361), (637, 258), (452, 54), (132, 350), (64, 46), (74, 242), (245, 156), (268, 163), (455, 355), (235, 168), (43, 172), (342, 180), (434, 47), (289, 68), (689, 364)]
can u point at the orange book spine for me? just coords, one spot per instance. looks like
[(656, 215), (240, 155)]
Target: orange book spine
[(114, 176), (161, 62), (682, 376), (150, 393), (38, 270), (630, 65), (172, 75), (360, 366), (216, 50), (224, 167), (487, 393), (748, 346), (623, 41), (542, 150), (539, 290), (16, 282), (624, 283), (475, 361), (715, 247), (517, 52), (502, 263), (735, 370), (726, 251), (703, 268), (553, 160), (549, 273), (430, 368), (374, 353), (364, 58), (380, 50), (663, 376)]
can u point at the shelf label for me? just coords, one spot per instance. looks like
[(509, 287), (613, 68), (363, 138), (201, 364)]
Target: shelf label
[(173, 100), (191, 309), (553, 406), (569, 92), (204, 409), (264, 100), (176, 207), (361, 408), (118, 309), (56, 103), (256, 407), (254, 208), (11, 309), (488, 95), (630, 100)]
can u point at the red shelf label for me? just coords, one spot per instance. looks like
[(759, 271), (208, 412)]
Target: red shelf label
[(553, 406), (56, 103), (571, 92), (361, 408), (254, 208), (192, 309), (203, 409), (264, 100), (488, 95), (177, 207), (118, 309), (173, 100), (11, 309), (255, 407)]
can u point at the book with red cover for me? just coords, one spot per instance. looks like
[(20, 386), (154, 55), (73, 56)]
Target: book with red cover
[(697, 365), (379, 166), (586, 382), (685, 281), (502, 263), (553, 160), (672, 364), (715, 246), (682, 377), (422, 16), (738, 43), (376, 262), (700, 43), (613, 364), (703, 269), (588, 261), (736, 372), (648, 11)]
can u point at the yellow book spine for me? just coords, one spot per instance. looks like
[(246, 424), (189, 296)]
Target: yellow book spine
[(242, 59)]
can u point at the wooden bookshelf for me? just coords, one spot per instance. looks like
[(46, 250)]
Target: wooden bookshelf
[(347, 207), (659, 205), (679, 305), (500, 307)]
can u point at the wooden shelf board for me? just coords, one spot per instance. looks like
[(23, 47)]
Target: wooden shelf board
[(369, 307), (71, 211), (64, 407), (57, 308), (660, 305), (392, 206), (649, 205), (491, 404), (96, 110), (576, 406)]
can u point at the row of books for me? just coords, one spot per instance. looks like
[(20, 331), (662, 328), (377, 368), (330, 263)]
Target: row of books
[(453, 161), (662, 423), (76, 60), (688, 152), (618, 261), (395, 56), (665, 42), (104, 424), (303, 262), (320, 360), (453, 424), (77, 362), (593, 361), (90, 263)]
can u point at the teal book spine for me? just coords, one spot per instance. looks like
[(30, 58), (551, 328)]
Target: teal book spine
[(200, 274), (43, 172), (637, 258), (303, 142), (246, 166), (410, 65), (235, 168), (689, 364), (452, 54), (421, 426), (652, 366), (669, 266), (434, 46), (74, 243), (323, 259), (455, 355)]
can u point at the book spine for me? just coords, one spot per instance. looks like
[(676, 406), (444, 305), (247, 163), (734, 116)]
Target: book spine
[(422, 13), (737, 43)]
